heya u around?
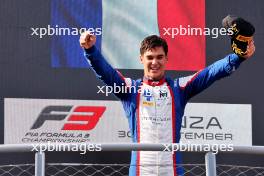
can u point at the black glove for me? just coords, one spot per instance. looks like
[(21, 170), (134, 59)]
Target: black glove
[(242, 33)]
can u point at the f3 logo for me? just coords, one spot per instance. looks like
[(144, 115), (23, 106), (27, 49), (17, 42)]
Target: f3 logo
[(88, 114)]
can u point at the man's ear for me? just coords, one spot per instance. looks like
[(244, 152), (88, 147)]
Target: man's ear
[(141, 59)]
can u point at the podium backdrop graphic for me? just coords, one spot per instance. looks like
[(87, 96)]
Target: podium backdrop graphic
[(120, 26)]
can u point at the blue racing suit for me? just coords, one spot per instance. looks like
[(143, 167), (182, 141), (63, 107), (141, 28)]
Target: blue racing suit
[(155, 108)]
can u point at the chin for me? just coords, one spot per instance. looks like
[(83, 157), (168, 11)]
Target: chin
[(156, 77)]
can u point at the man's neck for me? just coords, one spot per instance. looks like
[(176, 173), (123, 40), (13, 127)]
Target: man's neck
[(153, 82), (153, 79)]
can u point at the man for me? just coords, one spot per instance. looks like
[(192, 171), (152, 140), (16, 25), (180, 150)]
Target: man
[(155, 109)]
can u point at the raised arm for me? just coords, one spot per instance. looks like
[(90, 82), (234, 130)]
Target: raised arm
[(102, 68), (194, 84)]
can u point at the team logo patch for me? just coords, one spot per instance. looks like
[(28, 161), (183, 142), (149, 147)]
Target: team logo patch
[(147, 94), (163, 94), (147, 103)]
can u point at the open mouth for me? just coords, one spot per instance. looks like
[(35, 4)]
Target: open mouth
[(154, 69)]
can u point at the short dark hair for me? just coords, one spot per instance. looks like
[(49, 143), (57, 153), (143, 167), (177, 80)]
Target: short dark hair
[(153, 41)]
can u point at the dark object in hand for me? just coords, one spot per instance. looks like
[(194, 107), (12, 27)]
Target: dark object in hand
[(242, 33)]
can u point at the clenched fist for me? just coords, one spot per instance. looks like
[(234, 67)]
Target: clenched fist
[(87, 40)]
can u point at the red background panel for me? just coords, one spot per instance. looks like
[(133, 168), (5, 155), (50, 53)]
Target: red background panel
[(186, 52)]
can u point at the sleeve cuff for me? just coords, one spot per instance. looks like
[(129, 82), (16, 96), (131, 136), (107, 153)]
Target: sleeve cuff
[(90, 50), (235, 59)]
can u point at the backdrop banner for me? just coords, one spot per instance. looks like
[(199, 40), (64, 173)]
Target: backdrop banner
[(68, 121)]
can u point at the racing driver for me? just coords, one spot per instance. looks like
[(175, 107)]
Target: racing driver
[(155, 109)]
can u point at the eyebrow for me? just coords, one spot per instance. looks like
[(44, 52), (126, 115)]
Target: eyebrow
[(155, 55)]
